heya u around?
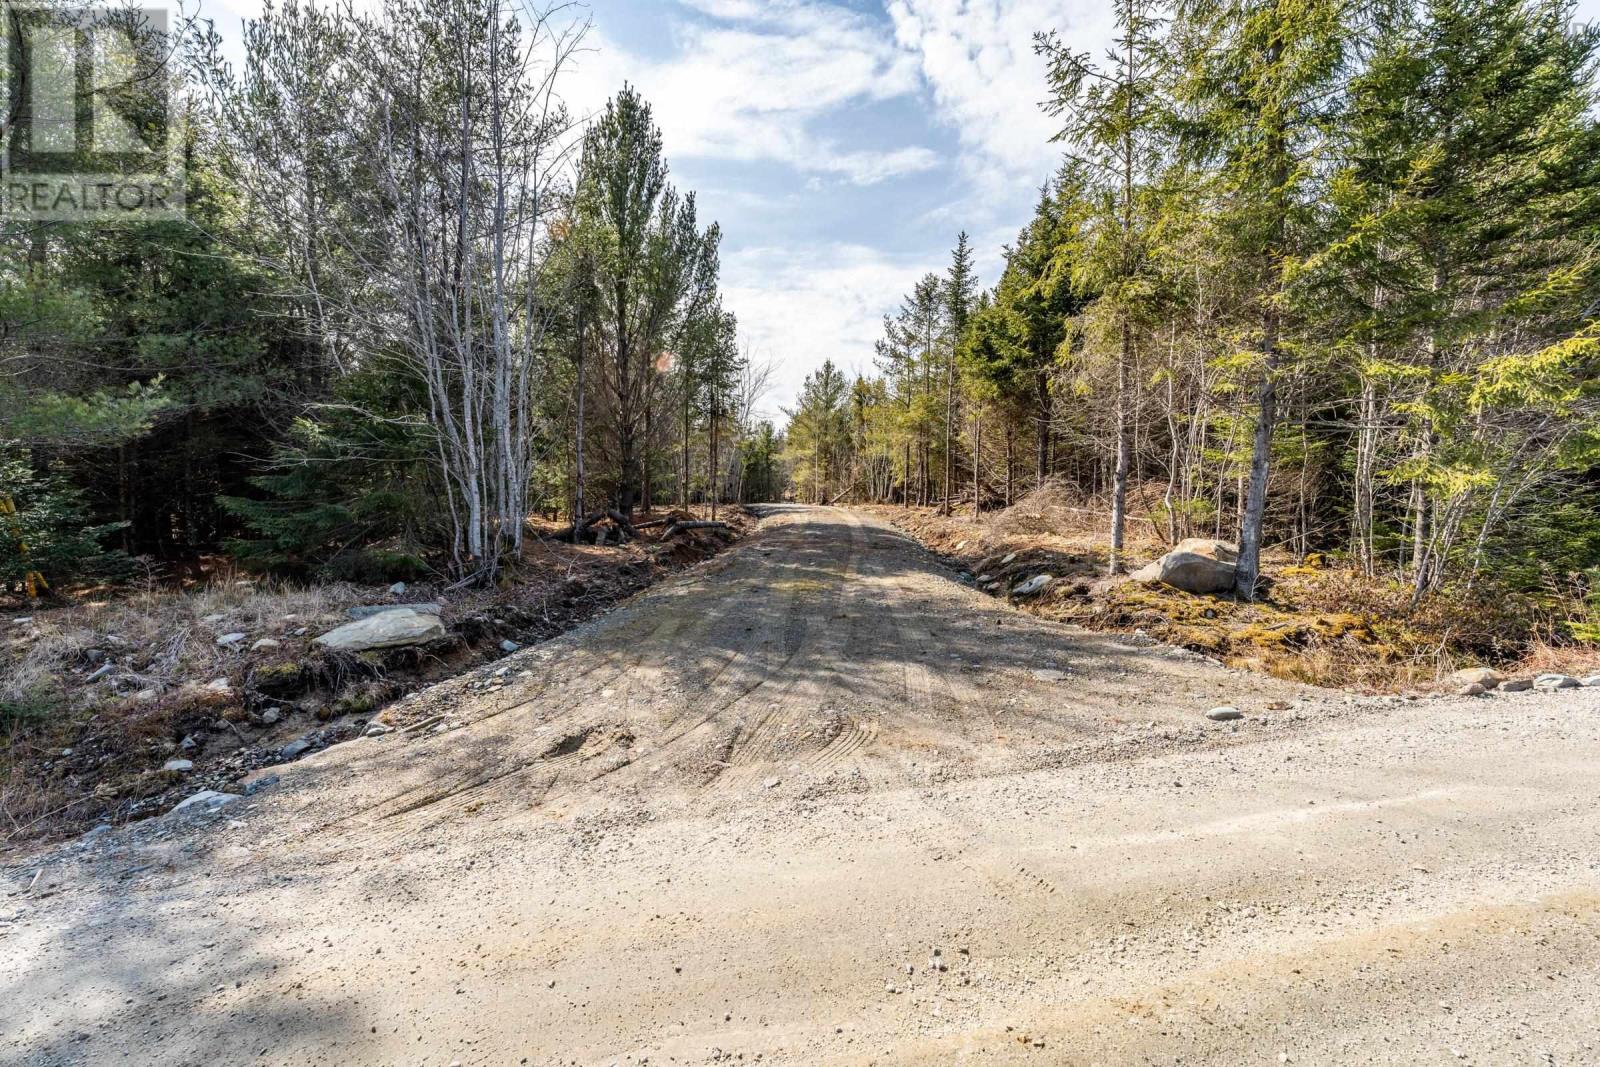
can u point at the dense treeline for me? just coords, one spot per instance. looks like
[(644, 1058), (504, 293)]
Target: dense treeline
[(413, 302), (1317, 275)]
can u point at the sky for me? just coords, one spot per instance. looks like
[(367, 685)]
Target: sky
[(841, 145)]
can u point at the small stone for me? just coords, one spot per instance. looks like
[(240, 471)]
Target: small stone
[(1516, 685), (770, 783), (270, 716), (377, 729), (266, 644), (398, 588), (1036, 584), (22, 620), (1487, 677), (1049, 674), (1010, 558), (509, 645), (145, 694), (294, 748), (229, 640), (256, 786), (219, 685), (178, 765), (209, 799), (100, 672), (1472, 689), (188, 744), (1224, 714), (1556, 681)]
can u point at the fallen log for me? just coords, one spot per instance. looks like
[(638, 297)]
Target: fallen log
[(622, 522), (575, 532), (696, 524)]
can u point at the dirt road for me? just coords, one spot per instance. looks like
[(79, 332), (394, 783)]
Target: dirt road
[(811, 803)]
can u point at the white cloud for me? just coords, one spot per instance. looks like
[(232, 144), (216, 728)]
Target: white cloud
[(752, 86), (977, 59), (801, 305)]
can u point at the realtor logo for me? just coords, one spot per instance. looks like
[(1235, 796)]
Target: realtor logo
[(88, 127)]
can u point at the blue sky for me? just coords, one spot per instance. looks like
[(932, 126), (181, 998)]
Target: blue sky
[(842, 145)]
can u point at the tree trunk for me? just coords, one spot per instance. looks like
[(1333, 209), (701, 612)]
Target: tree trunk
[(949, 426), (1248, 570), (977, 463), (1119, 481), (1365, 475), (1042, 417)]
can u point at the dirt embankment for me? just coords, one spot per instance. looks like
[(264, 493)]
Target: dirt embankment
[(119, 703), (1317, 622)]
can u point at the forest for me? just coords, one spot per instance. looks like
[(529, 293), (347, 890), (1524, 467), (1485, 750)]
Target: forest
[(414, 301), (1319, 277)]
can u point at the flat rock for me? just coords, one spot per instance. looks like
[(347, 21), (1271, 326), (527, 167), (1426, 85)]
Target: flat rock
[(1592, 681), (509, 645), (1036, 584), (377, 729), (388, 629), (1516, 685), (205, 800), (218, 685), (1050, 674), (1556, 681), (229, 640), (266, 644), (1487, 677), (294, 748), (178, 765), (398, 589), (1224, 714), (367, 611)]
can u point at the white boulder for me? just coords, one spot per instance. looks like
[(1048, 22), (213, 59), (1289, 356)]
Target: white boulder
[(389, 629)]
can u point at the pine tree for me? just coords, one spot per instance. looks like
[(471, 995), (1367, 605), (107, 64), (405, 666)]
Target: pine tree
[(1113, 119), (958, 290), (1256, 92)]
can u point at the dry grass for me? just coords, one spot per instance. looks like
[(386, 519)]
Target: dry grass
[(1321, 625), (162, 649), (158, 640)]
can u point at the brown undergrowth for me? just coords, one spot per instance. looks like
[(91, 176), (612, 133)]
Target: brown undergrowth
[(1317, 622), (100, 689)]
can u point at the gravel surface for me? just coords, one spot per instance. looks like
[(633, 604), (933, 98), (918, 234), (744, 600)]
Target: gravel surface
[(816, 802)]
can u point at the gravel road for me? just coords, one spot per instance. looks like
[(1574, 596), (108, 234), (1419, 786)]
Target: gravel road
[(815, 802)]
